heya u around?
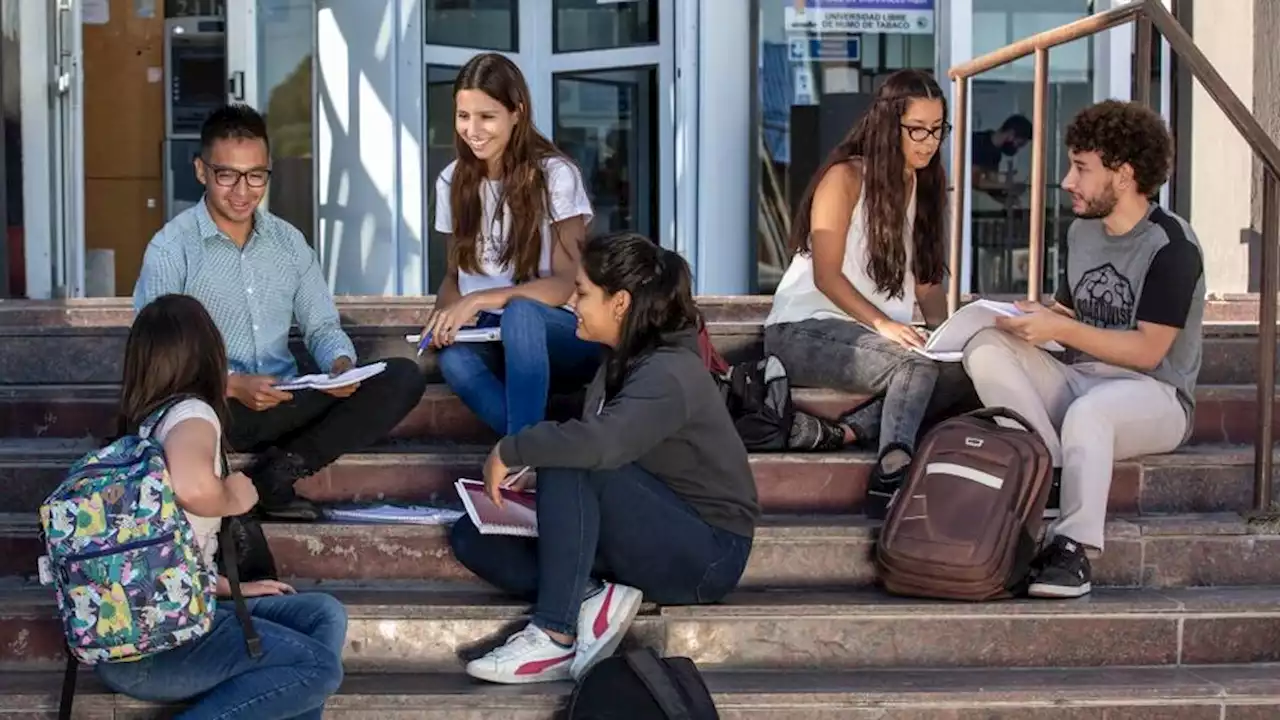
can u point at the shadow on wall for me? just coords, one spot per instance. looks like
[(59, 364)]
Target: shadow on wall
[(364, 203)]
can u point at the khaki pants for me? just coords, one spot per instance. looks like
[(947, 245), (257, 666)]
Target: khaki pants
[(1089, 414)]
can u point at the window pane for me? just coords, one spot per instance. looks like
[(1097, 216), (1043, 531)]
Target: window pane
[(12, 270), (602, 24), (440, 153), (813, 85), (1000, 148), (285, 32), (484, 24), (607, 122)]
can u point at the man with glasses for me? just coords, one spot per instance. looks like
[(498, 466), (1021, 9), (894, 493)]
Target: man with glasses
[(255, 274)]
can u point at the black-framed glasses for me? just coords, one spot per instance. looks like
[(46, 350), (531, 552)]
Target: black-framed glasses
[(920, 134), (230, 177)]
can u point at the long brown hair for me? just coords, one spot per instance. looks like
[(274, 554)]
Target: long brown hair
[(523, 183), (877, 140), (173, 349)]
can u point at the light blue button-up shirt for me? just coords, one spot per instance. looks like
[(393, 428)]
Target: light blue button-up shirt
[(253, 295)]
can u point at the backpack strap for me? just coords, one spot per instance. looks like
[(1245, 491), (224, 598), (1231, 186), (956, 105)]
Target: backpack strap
[(227, 544), (155, 417), (68, 686), (649, 668)]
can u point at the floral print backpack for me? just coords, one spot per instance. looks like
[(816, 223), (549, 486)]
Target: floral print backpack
[(122, 556)]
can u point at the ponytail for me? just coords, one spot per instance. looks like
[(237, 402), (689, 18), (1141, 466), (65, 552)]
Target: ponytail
[(661, 290)]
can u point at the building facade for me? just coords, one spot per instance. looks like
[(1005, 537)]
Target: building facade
[(696, 122)]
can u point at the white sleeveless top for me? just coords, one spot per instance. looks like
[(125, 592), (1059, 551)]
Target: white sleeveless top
[(798, 297), (206, 529)]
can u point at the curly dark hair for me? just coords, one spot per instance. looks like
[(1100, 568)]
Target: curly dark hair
[(876, 139), (1125, 132)]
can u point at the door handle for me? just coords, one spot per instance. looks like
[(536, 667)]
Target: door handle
[(235, 86)]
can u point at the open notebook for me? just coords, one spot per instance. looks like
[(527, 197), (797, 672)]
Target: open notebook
[(322, 381), (517, 516), (946, 343)]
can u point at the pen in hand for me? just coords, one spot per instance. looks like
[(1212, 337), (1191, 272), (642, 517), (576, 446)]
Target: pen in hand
[(424, 343)]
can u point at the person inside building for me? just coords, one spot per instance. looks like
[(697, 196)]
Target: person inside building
[(174, 350), (1129, 314), (868, 244), (255, 274), (989, 148), (516, 213), (648, 495)]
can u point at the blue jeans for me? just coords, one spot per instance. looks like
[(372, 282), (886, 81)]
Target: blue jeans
[(506, 384), (623, 525), (300, 667)]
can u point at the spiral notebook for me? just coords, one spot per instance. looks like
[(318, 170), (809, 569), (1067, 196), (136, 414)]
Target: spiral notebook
[(517, 516)]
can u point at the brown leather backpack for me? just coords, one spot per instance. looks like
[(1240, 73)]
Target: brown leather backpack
[(965, 524)]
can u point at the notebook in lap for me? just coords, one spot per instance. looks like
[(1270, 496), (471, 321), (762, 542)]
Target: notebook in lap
[(517, 516)]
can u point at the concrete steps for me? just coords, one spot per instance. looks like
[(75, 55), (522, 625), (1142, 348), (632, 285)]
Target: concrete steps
[(407, 628), (1205, 478), (1250, 692), (1224, 413), (1185, 624), (93, 354), (789, 553)]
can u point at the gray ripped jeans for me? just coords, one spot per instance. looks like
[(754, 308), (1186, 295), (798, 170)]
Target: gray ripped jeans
[(907, 390)]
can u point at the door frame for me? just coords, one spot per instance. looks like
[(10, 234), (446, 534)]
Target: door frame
[(539, 63)]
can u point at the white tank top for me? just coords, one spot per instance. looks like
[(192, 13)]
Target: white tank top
[(798, 297), (205, 529)]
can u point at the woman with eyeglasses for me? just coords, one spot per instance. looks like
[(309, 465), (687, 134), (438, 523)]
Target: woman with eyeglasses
[(868, 248)]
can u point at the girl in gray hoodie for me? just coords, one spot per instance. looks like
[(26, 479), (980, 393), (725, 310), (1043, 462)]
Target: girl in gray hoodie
[(647, 494)]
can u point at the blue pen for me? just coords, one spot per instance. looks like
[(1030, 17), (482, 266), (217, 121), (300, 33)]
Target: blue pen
[(424, 343)]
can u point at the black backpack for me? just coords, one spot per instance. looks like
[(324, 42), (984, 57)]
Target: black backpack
[(639, 685), (758, 397)]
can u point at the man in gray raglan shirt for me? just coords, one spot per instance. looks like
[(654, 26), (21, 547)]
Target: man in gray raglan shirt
[(1129, 314)]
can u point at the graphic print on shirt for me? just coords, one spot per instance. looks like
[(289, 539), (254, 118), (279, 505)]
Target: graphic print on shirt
[(1104, 298)]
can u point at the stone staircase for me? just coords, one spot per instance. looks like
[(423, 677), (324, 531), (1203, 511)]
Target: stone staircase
[(1185, 625)]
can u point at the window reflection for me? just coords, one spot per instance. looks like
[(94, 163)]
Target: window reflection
[(483, 24), (440, 152), (285, 30), (595, 25), (12, 270), (606, 121), (1000, 153)]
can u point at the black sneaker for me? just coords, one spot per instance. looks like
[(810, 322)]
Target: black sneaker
[(274, 474), (1053, 508), (1062, 571), (883, 486)]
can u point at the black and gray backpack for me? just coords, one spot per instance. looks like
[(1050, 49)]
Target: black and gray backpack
[(639, 685)]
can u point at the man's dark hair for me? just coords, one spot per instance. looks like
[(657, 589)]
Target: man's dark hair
[(1125, 132), (1019, 125), (232, 122)]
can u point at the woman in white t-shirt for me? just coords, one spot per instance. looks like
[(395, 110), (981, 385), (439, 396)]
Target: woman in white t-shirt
[(516, 212), (868, 244), (175, 349)]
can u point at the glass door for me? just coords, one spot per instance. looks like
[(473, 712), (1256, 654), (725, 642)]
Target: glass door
[(269, 49), (67, 154), (601, 76)]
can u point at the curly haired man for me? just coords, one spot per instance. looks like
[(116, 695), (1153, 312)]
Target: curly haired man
[(1129, 314)]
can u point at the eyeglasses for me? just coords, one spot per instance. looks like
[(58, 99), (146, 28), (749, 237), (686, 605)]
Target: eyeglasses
[(920, 134), (230, 177)]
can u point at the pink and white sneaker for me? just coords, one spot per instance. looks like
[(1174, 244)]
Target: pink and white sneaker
[(529, 656), (602, 623)]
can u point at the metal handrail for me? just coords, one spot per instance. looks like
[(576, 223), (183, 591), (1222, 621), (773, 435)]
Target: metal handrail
[(1148, 15)]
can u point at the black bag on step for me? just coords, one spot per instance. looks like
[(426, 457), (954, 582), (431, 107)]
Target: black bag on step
[(639, 685), (758, 397)]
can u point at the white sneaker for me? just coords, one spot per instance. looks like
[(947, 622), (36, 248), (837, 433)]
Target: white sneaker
[(529, 656), (602, 623)]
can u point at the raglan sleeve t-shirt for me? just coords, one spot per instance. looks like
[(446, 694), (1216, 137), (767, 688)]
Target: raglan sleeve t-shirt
[(568, 199), (1152, 274)]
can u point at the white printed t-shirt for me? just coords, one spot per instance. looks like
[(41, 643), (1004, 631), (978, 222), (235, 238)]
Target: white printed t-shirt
[(568, 200), (206, 529)]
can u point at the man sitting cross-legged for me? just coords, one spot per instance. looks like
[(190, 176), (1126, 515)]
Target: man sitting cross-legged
[(1129, 315), (255, 274)]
